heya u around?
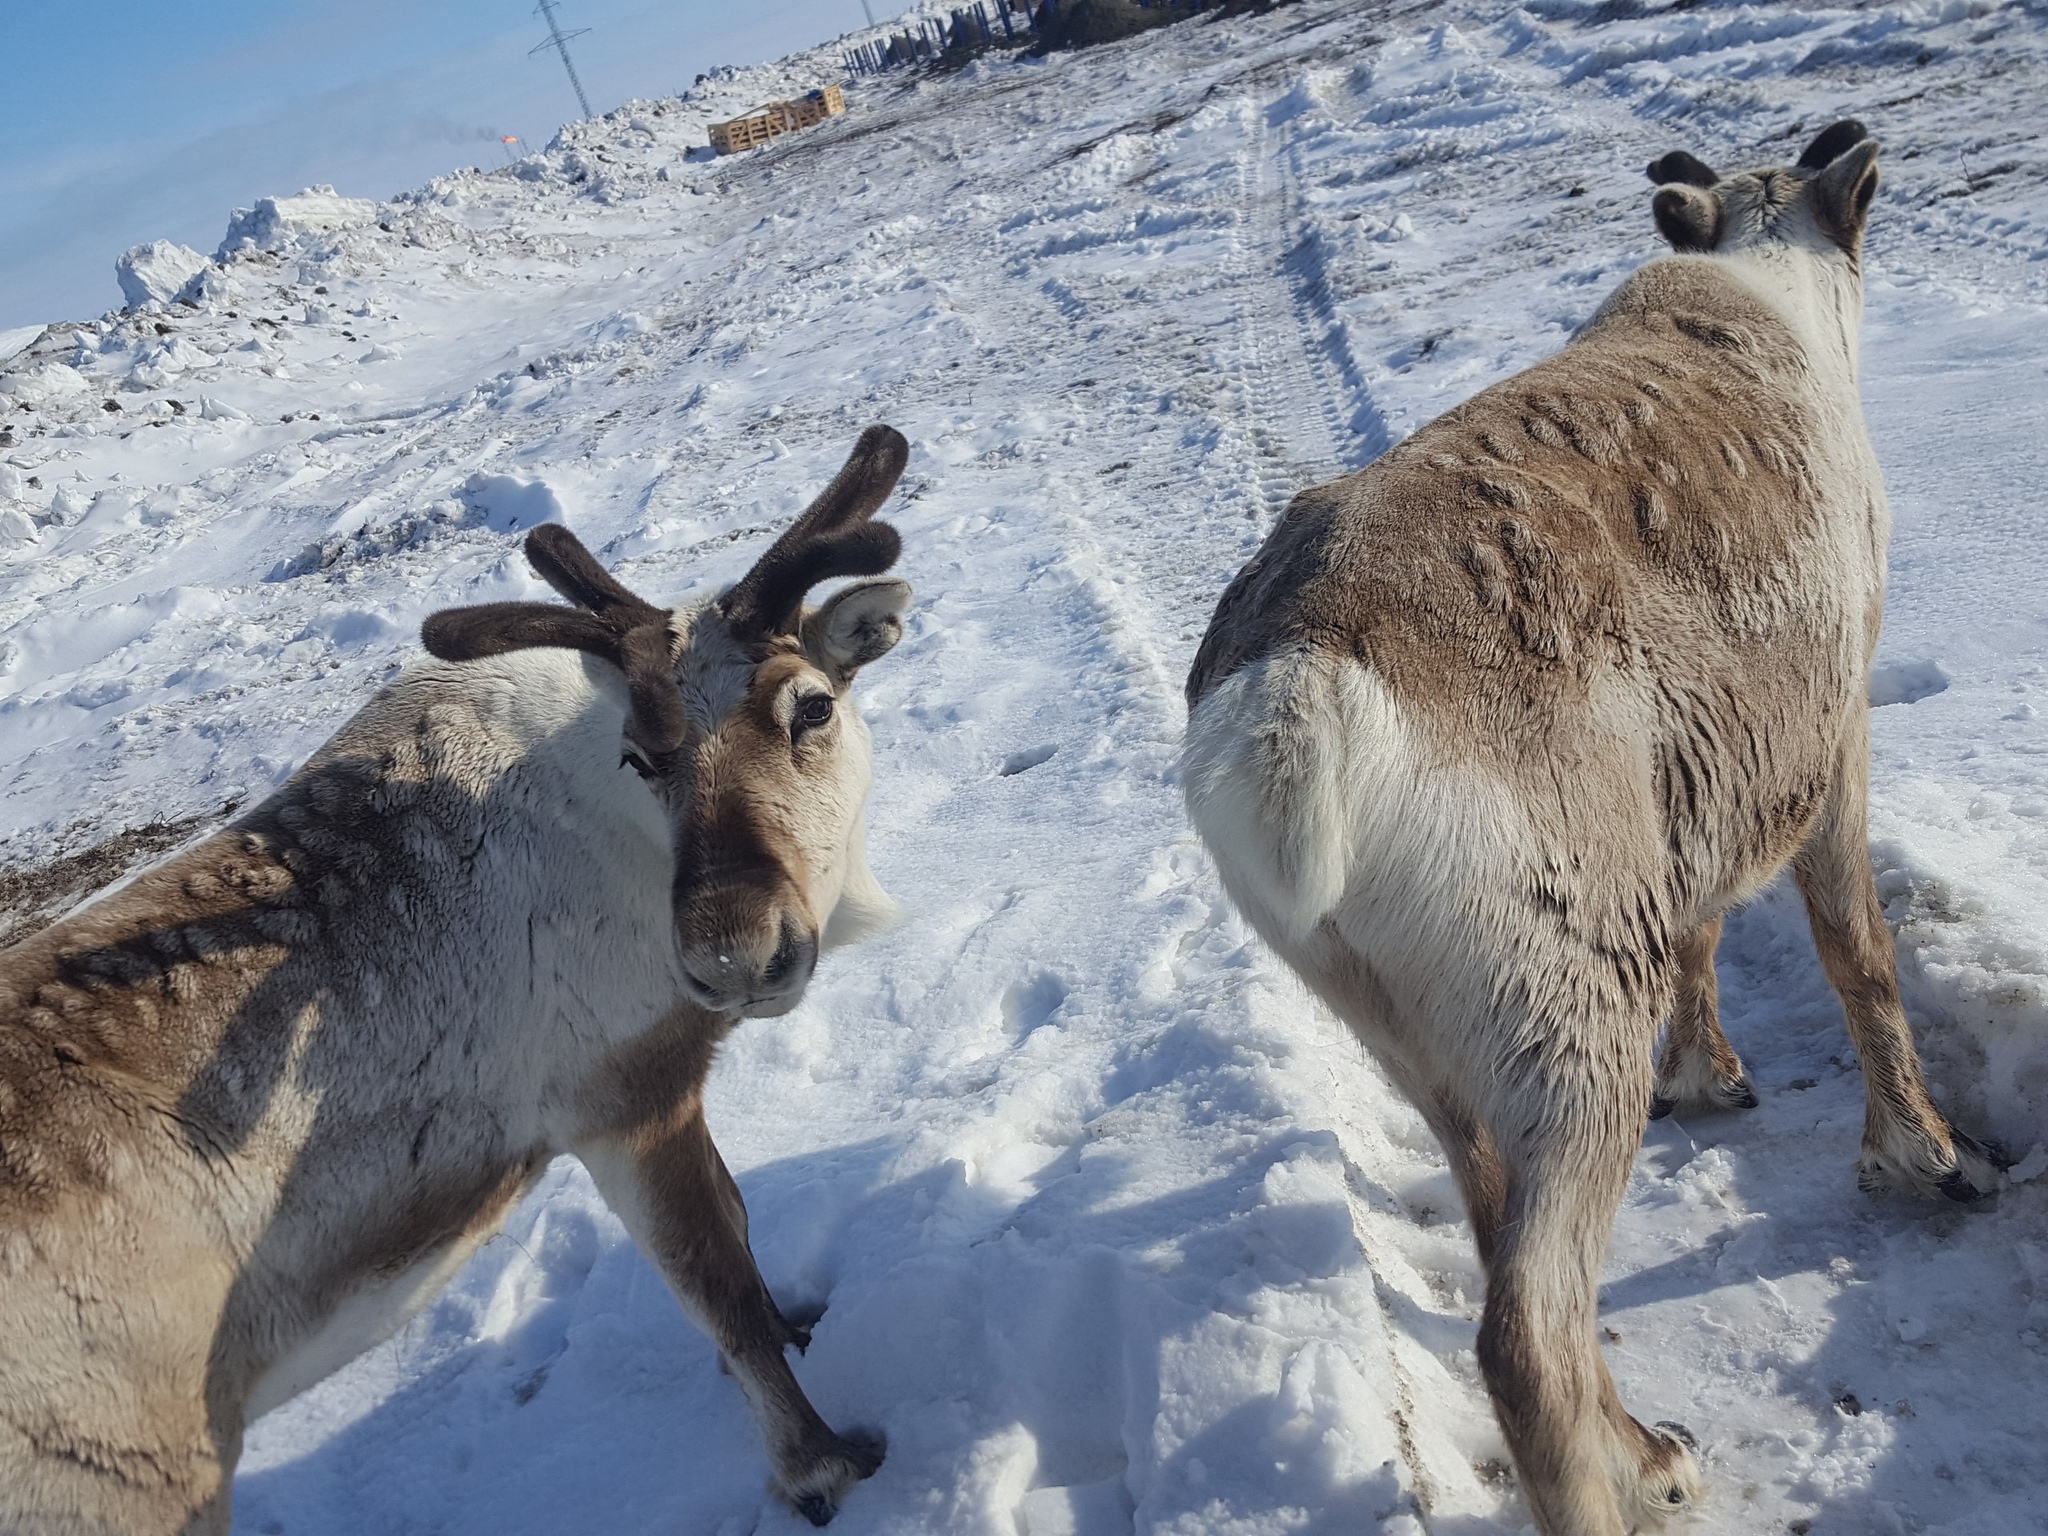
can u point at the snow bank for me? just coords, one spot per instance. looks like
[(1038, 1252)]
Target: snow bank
[(275, 221), (507, 504), (16, 340)]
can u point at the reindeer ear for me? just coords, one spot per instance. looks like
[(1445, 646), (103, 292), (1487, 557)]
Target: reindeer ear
[(1687, 217), (1840, 195), (855, 626)]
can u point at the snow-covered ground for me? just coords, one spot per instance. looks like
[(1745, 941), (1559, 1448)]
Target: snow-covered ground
[(1111, 1227)]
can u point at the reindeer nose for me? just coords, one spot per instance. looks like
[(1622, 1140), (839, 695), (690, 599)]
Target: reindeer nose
[(794, 958), (752, 978)]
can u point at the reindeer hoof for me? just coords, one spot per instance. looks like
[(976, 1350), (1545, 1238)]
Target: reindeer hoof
[(1957, 1187), (1664, 1476), (1990, 1151), (850, 1458), (1972, 1174), (1978, 1165), (1710, 1094), (866, 1449)]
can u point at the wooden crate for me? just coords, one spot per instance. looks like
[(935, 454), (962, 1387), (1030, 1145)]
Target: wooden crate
[(776, 118)]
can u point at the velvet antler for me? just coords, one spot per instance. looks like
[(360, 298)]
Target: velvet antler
[(833, 537), (1686, 169), (618, 626), (560, 560)]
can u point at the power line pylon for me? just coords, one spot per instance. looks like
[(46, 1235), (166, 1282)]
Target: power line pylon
[(559, 41)]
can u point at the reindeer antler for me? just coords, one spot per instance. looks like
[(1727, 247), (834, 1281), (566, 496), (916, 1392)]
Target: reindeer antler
[(1682, 168), (833, 537), (619, 626), (559, 559)]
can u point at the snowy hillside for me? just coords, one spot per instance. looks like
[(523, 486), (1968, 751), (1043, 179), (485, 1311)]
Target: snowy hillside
[(1111, 1229)]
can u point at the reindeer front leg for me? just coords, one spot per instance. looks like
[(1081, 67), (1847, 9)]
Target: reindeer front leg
[(667, 1183)]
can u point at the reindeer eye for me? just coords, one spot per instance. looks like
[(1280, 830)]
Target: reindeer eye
[(814, 711)]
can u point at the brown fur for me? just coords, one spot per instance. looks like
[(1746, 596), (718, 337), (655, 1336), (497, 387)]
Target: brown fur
[(1487, 737), (257, 1106)]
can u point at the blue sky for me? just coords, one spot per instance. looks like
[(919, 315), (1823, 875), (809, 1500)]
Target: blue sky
[(124, 121)]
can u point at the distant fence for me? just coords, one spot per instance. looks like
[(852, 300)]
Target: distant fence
[(999, 24), (985, 24)]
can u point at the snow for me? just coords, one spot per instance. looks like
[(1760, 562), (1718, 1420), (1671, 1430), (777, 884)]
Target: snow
[(274, 221), (15, 340), (155, 273), (1112, 1228)]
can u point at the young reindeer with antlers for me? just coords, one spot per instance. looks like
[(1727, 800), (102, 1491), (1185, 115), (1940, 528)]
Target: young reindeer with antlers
[(1488, 736), (259, 1106)]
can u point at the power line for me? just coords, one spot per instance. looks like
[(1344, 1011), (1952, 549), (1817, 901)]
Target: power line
[(559, 41)]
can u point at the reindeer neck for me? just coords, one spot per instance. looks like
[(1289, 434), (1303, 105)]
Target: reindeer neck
[(1818, 292)]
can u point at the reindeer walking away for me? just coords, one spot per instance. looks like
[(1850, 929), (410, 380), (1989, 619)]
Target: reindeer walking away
[(259, 1106), (1487, 737)]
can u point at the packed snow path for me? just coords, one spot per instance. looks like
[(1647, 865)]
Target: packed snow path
[(1111, 1230)]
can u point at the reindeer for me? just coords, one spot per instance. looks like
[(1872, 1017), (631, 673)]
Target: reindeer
[(1487, 737), (259, 1106)]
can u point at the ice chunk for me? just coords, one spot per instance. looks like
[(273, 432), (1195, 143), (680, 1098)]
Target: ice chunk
[(2032, 1166), (67, 507), (277, 220), (157, 272), (211, 289)]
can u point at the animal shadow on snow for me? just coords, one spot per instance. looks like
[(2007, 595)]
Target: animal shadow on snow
[(558, 1376), (555, 1385), (950, 1316), (1924, 1302)]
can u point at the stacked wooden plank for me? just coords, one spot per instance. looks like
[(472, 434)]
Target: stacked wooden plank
[(776, 118)]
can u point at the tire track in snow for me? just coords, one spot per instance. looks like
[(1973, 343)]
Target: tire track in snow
[(1750, 1303), (1287, 404), (1296, 368), (1364, 435), (1278, 300)]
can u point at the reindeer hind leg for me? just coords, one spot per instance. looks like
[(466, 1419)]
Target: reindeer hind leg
[(1698, 1067), (1587, 1466)]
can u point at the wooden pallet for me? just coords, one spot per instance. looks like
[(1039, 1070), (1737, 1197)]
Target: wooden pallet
[(775, 119)]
